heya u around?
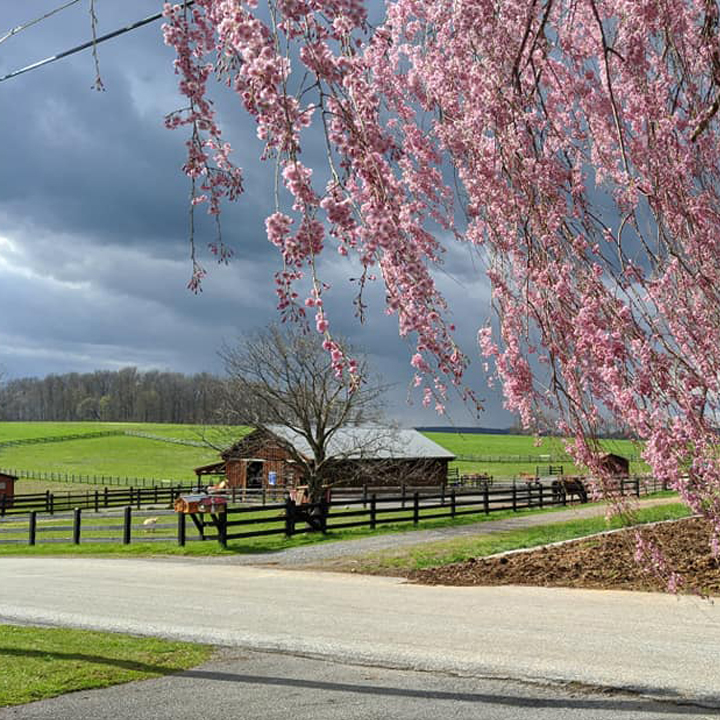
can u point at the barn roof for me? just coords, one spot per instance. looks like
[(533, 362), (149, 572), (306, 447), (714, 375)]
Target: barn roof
[(368, 443)]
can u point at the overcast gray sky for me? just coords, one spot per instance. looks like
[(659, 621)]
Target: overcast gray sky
[(93, 222)]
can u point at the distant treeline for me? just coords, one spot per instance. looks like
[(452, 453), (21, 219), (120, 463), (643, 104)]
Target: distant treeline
[(126, 395)]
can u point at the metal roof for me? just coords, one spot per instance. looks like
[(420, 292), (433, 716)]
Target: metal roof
[(368, 442)]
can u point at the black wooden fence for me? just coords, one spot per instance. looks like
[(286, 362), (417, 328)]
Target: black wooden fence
[(370, 510), (289, 519), (53, 502), (122, 481), (123, 527)]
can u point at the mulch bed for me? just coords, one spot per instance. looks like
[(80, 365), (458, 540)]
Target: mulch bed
[(603, 562)]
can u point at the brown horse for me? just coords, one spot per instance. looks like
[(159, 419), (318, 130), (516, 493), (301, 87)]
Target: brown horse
[(566, 488)]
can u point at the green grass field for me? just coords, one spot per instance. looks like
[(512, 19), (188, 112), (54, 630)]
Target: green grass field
[(40, 663), (114, 456), (136, 457), (23, 430), (120, 455), (494, 446)]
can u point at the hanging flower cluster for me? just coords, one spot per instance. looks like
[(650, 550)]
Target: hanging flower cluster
[(573, 143)]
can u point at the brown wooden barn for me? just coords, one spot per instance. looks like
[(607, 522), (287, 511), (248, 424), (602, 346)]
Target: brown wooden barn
[(359, 455), (615, 465)]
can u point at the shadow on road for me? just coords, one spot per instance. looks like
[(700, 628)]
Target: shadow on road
[(672, 704)]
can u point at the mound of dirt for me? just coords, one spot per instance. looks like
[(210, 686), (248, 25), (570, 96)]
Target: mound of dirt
[(605, 562)]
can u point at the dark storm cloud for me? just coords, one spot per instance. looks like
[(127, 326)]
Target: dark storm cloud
[(94, 218)]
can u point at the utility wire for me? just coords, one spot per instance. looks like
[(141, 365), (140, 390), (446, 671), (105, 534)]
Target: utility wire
[(30, 23), (89, 43)]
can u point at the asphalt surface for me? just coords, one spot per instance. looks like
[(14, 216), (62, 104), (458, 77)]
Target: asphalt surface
[(657, 645), (241, 684)]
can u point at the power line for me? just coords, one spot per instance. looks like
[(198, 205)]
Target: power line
[(30, 23), (89, 43)]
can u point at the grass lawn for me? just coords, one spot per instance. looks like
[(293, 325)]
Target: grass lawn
[(23, 430), (524, 445), (145, 458), (115, 456), (40, 663), (446, 552)]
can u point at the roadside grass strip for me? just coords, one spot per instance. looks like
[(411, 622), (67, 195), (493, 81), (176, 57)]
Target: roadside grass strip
[(447, 552), (40, 663)]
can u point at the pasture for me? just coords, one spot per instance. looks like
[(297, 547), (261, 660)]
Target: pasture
[(164, 455), (506, 456), (171, 452)]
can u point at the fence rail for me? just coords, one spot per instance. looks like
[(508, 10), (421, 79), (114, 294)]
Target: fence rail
[(529, 459), (374, 509), (51, 503), (60, 438), (369, 509), (125, 527), (90, 479), (167, 439)]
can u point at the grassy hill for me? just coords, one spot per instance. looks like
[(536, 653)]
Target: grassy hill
[(506, 456), (118, 456), (171, 452)]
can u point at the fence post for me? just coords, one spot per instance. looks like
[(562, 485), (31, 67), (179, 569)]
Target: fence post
[(403, 496), (2, 505), (97, 501), (47, 501), (127, 524), (514, 497), (264, 490), (222, 529), (181, 529), (51, 504), (139, 498), (32, 527), (365, 495), (77, 519), (416, 508), (373, 511), (486, 500), (442, 495), (637, 487), (540, 488), (452, 502), (289, 517)]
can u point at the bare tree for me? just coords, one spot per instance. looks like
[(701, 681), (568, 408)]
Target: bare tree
[(284, 378)]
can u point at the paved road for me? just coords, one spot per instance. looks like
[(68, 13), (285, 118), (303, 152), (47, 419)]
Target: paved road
[(252, 686), (659, 645)]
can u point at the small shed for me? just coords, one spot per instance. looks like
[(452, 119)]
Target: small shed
[(615, 465), (7, 488), (358, 455)]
